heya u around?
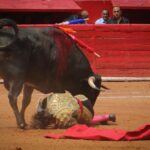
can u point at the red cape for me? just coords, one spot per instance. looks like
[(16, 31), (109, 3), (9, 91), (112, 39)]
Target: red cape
[(91, 133)]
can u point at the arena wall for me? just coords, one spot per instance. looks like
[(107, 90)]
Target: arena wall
[(124, 49)]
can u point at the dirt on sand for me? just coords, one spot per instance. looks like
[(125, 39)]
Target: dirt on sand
[(130, 101)]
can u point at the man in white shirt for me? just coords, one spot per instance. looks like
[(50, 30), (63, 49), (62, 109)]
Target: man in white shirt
[(105, 17)]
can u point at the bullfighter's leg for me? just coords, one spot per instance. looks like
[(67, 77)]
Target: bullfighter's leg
[(15, 88), (27, 93)]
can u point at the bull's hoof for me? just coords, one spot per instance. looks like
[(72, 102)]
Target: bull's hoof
[(22, 125)]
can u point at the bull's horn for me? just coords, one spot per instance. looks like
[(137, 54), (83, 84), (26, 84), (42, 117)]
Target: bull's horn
[(91, 82), (11, 23)]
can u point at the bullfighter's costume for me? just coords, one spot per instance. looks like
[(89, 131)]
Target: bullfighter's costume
[(62, 110)]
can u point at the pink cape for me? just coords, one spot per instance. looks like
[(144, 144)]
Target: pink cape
[(91, 133)]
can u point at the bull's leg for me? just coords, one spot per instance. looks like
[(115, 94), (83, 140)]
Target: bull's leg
[(27, 92), (15, 88)]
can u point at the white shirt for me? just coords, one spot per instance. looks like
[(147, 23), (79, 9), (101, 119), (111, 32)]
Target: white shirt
[(100, 21)]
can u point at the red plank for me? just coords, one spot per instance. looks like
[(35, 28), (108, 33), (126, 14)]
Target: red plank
[(123, 72), (129, 53)]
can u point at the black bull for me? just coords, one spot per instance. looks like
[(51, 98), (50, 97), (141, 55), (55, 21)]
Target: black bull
[(46, 59)]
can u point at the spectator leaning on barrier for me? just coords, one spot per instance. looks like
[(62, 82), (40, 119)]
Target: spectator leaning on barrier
[(84, 14), (117, 17), (105, 17), (80, 18)]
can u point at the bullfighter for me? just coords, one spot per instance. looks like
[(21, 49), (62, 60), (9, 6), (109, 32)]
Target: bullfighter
[(63, 110)]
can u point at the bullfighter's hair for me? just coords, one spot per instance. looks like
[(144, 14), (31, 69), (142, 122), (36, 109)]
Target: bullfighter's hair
[(42, 120)]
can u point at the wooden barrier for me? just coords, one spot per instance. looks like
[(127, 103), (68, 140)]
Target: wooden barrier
[(124, 49)]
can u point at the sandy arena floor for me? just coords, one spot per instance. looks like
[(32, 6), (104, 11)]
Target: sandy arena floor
[(130, 101)]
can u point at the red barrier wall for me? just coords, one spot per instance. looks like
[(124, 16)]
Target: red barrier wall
[(124, 49), (135, 11)]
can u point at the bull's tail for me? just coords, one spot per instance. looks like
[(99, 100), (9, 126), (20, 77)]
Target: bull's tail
[(9, 23)]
